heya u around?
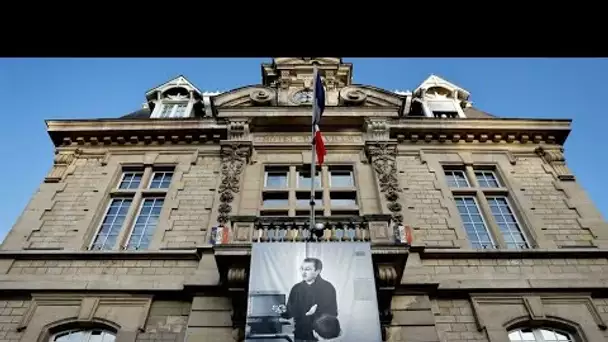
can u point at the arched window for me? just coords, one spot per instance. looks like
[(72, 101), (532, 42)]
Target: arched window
[(91, 335), (540, 335)]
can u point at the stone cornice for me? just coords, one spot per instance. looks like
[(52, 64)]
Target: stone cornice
[(186, 254), (538, 253), (134, 132), (330, 111), (496, 130)]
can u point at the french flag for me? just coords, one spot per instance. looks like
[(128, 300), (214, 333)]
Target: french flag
[(318, 106)]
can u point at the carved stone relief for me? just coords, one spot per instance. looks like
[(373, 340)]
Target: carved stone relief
[(305, 139), (555, 158), (238, 129), (262, 96), (377, 129), (61, 162), (352, 96), (234, 159), (383, 159)]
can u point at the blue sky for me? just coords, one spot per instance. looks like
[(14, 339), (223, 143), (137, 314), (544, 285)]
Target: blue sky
[(33, 90)]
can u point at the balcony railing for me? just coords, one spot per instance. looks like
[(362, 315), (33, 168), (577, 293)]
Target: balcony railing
[(296, 229)]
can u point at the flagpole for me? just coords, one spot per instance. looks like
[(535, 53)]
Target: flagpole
[(313, 162)]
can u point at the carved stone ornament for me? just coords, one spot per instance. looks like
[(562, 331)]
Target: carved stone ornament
[(61, 162), (238, 129), (234, 159), (555, 158), (377, 129), (352, 96), (383, 159), (262, 96)]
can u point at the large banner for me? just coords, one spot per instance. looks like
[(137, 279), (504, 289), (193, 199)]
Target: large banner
[(312, 292)]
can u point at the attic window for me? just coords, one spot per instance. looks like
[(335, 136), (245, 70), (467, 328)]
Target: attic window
[(443, 108), (173, 110)]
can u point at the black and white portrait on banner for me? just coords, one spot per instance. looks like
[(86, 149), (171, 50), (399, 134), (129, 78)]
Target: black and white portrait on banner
[(312, 292)]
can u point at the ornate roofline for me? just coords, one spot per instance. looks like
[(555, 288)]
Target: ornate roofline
[(414, 130)]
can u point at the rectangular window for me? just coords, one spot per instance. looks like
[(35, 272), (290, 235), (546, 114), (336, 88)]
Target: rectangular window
[(131, 180), (174, 110), (484, 208), (161, 180), (343, 199), (303, 199), (145, 223), (341, 177), (474, 224), (132, 215), (112, 224), (276, 200), (276, 178), (303, 177), (457, 179), (281, 197)]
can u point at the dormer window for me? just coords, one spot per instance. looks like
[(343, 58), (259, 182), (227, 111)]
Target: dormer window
[(174, 103), (173, 110), (177, 98), (443, 108), (441, 99)]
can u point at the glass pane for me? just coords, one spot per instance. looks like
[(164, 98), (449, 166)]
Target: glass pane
[(342, 179), (304, 180), (276, 179)]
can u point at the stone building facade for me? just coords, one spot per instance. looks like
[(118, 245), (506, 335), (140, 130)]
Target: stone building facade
[(115, 244)]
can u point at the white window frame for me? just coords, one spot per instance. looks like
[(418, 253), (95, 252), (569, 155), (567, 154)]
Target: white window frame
[(86, 332), (483, 219), (538, 335), (134, 221), (161, 106), (522, 231), (429, 113), (318, 175), (286, 179), (152, 179), (105, 214), (498, 181), (352, 178)]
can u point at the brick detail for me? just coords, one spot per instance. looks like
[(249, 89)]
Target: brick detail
[(194, 200), (602, 308), (559, 219), (456, 322), (423, 203), (67, 206), (11, 313), (104, 267), (510, 273), (166, 322)]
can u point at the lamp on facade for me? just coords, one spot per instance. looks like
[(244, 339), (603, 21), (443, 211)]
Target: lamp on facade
[(318, 229)]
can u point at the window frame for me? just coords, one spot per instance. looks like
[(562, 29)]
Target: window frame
[(294, 190), (481, 195), (88, 331), (537, 333), (137, 197), (162, 104)]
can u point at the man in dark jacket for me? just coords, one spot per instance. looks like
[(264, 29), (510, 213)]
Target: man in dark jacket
[(309, 299)]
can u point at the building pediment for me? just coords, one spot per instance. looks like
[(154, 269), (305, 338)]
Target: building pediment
[(248, 96), (306, 60), (370, 96), (350, 96)]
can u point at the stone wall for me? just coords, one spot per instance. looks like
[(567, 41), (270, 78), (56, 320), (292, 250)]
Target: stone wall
[(167, 322), (553, 212), (65, 213), (11, 313)]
